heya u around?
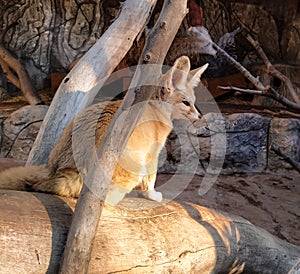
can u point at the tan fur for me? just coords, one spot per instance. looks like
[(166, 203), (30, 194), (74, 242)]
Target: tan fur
[(137, 166), (21, 178)]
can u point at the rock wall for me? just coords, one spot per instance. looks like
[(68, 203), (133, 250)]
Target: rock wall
[(242, 144), (272, 23), (47, 36), (19, 130), (236, 143), (285, 134)]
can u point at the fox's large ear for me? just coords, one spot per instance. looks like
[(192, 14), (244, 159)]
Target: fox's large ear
[(196, 74), (176, 77)]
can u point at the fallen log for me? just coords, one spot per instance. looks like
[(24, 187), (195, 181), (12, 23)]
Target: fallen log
[(138, 236)]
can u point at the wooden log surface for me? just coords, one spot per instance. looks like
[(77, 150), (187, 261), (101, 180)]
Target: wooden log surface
[(138, 236)]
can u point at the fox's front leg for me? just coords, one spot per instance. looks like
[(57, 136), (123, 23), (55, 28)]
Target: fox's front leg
[(147, 183), (147, 188)]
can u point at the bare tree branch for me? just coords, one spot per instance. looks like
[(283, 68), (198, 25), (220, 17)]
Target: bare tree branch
[(271, 93), (189, 238), (239, 67), (262, 90), (272, 70), (8, 62), (9, 74), (242, 90), (90, 202)]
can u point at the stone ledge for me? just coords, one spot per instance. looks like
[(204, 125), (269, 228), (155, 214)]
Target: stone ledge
[(19, 131)]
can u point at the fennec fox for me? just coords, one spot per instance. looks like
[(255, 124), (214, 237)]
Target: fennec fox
[(137, 166)]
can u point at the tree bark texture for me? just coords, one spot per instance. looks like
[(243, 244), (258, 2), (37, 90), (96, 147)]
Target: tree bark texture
[(81, 85), (54, 33), (49, 35), (138, 236)]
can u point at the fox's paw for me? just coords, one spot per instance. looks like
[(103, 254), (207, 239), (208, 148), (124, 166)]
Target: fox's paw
[(153, 195)]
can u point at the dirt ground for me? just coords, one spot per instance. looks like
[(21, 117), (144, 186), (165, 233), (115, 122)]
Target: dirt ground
[(270, 201)]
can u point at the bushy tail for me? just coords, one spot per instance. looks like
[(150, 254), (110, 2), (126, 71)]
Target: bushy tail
[(66, 182), (23, 178)]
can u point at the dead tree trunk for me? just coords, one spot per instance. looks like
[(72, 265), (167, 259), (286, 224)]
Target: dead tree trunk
[(80, 86), (90, 203), (138, 236)]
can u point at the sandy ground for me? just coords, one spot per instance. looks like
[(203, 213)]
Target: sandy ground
[(270, 201)]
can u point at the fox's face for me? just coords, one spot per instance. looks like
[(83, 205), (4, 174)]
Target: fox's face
[(178, 88)]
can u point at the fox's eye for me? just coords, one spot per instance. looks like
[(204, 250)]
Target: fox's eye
[(186, 103)]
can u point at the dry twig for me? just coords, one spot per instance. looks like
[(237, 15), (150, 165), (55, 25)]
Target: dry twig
[(271, 93), (273, 71), (239, 67), (262, 90), (21, 81)]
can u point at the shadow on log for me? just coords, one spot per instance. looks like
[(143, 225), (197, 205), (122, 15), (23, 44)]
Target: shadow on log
[(138, 236)]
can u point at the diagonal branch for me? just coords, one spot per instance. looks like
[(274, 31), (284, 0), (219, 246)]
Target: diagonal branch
[(272, 70), (239, 67), (262, 90), (8, 62), (90, 202), (9, 74)]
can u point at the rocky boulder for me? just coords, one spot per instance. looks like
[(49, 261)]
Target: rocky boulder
[(19, 131), (285, 135), (217, 143)]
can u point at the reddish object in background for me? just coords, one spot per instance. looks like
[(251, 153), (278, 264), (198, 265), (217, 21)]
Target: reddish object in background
[(195, 14)]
